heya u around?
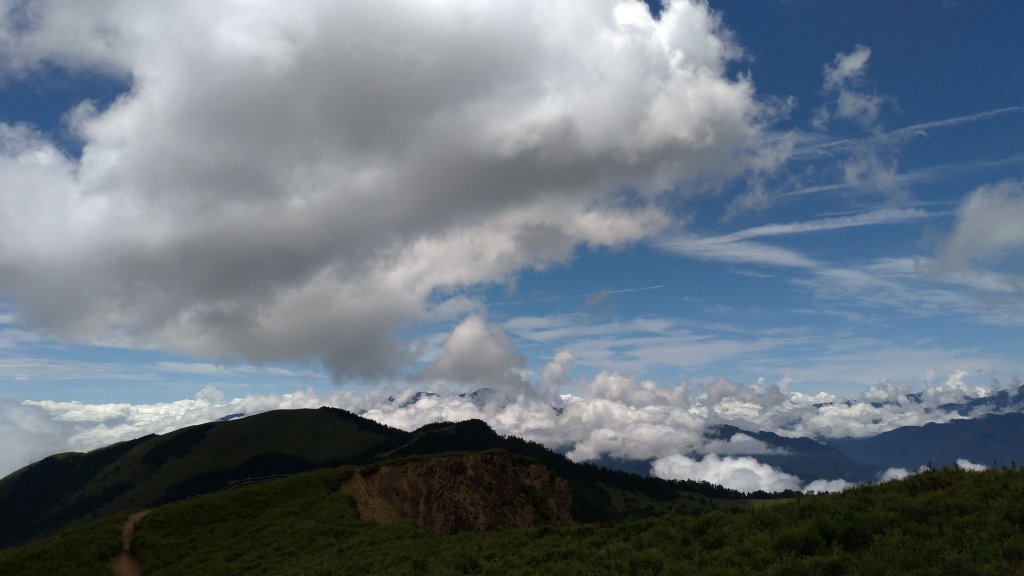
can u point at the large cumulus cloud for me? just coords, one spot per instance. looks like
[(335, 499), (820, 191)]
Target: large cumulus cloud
[(294, 182)]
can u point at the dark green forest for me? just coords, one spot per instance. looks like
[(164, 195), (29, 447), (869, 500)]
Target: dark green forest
[(938, 522)]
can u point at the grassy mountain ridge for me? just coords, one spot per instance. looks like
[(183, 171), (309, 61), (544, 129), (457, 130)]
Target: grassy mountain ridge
[(63, 490), (67, 488)]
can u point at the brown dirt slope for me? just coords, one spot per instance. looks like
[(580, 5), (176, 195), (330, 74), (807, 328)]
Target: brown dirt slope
[(462, 492)]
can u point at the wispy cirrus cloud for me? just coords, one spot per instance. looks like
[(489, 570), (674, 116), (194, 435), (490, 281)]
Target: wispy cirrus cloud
[(600, 294), (737, 248), (912, 285), (820, 147), (35, 369), (872, 218), (917, 175), (724, 249), (642, 345)]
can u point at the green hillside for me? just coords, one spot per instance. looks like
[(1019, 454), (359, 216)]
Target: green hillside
[(68, 488), (939, 522)]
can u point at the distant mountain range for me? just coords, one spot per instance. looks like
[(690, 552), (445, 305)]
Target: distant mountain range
[(993, 439), (1001, 401)]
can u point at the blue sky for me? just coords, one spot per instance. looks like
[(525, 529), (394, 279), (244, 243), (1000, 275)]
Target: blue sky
[(839, 203)]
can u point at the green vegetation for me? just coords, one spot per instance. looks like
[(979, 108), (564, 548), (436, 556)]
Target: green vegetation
[(68, 489), (939, 522), (82, 551)]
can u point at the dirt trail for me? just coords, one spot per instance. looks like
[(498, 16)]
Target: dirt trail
[(126, 564)]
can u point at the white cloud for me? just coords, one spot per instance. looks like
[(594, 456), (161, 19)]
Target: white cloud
[(894, 474), (954, 390), (620, 418), (858, 106), (743, 474), (847, 67), (841, 77), (988, 226), (29, 433), (827, 486), (294, 184), (740, 443), (479, 353), (555, 374), (970, 466)]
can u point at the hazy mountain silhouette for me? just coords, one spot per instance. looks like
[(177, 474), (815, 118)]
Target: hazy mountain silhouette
[(995, 438)]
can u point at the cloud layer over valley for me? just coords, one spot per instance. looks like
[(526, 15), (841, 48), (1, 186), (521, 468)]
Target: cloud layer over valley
[(620, 419)]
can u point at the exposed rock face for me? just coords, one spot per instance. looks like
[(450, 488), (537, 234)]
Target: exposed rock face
[(462, 492)]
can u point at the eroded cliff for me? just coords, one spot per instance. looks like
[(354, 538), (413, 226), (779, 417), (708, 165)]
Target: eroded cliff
[(462, 492)]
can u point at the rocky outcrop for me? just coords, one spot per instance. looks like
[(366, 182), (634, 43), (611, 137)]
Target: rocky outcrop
[(462, 492)]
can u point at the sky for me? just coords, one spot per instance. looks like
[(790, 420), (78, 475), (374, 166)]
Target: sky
[(698, 202)]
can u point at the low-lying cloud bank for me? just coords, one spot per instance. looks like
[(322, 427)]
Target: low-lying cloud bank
[(745, 474), (619, 418), (901, 473)]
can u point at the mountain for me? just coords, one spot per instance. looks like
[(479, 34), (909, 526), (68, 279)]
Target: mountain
[(992, 439), (598, 494), (804, 458), (936, 522), (1001, 401), (68, 489), (996, 402), (154, 470)]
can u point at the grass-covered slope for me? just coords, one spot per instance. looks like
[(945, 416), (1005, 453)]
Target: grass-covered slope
[(940, 522), (67, 488)]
